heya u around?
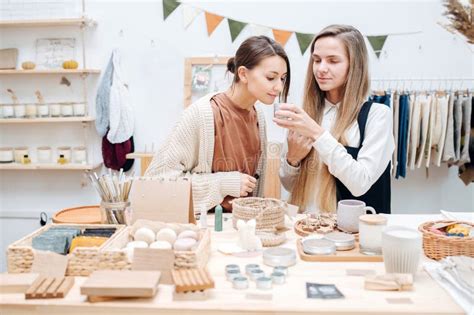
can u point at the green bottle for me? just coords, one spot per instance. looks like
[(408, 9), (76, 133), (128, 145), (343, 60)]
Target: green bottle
[(218, 219)]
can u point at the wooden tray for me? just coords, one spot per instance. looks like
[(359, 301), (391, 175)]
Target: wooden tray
[(78, 215), (346, 255)]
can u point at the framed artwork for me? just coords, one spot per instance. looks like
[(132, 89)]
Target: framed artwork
[(52, 52), (203, 75)]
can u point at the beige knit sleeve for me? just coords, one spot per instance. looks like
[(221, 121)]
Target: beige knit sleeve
[(179, 156), (288, 174)]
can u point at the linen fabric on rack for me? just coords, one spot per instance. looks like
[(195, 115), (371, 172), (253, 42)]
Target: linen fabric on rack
[(430, 128)]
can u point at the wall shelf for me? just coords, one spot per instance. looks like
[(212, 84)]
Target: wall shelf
[(51, 167), (50, 71), (82, 119), (82, 22)]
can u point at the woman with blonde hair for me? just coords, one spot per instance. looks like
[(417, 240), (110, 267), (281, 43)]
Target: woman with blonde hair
[(339, 145), (220, 141)]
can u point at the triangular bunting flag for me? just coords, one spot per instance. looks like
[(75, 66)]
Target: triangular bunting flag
[(304, 40), (189, 14), (377, 43), (168, 7), (212, 21), (235, 28), (257, 30), (281, 36)]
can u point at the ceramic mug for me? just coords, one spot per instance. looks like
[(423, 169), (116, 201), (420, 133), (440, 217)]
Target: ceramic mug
[(348, 213)]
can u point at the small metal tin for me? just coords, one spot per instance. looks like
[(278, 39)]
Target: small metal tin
[(250, 267), (318, 247), (264, 283), (279, 256), (343, 241), (231, 274), (282, 269), (278, 278), (240, 283), (232, 267), (256, 273)]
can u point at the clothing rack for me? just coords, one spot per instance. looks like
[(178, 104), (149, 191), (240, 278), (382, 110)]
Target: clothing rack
[(458, 83)]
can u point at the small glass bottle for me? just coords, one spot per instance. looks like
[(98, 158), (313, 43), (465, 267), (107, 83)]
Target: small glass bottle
[(218, 219), (25, 159), (62, 160)]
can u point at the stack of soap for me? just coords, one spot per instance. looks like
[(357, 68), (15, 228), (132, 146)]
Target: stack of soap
[(56, 239), (103, 232), (87, 241)]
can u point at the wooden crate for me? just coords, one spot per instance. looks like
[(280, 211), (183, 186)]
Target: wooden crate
[(81, 262), (113, 256)]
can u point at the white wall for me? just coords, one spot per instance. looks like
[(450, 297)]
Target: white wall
[(155, 74)]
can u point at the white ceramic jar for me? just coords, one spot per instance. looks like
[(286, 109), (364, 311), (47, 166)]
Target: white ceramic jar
[(79, 155), (44, 154), (6, 155)]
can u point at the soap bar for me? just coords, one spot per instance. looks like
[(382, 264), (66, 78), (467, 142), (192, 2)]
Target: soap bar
[(87, 241), (166, 234), (144, 234), (188, 234), (161, 245), (184, 244)]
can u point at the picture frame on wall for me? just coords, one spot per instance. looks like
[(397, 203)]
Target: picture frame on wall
[(52, 52), (203, 75)]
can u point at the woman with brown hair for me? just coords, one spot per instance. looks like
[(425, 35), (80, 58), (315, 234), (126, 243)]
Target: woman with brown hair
[(339, 146), (220, 141)]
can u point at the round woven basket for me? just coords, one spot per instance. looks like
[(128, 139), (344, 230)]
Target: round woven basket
[(268, 212), (438, 246)]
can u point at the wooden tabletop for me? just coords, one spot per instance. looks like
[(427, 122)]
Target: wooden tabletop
[(426, 298)]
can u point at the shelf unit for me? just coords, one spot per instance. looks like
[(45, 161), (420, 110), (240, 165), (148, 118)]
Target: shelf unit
[(50, 167), (84, 119), (81, 22)]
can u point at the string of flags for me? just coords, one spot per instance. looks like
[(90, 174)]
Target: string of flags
[(236, 27)]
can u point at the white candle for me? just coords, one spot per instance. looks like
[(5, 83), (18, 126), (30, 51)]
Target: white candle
[(8, 111), (66, 109), (79, 155), (31, 110), (55, 110), (20, 111), (44, 154), (43, 110), (79, 109)]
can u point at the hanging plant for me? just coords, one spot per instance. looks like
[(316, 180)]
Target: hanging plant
[(461, 18)]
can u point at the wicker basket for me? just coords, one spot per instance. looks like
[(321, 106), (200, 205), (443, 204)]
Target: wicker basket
[(269, 213), (81, 262), (438, 246), (113, 255)]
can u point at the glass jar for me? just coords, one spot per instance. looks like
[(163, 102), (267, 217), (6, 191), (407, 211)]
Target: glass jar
[(20, 111), (79, 109), (43, 110), (66, 109), (115, 212), (55, 110), (44, 154), (6, 155), (8, 111), (31, 111), (20, 152), (370, 233), (79, 155)]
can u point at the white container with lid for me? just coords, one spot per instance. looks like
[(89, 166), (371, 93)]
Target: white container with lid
[(343, 241), (318, 246), (370, 233), (279, 256)]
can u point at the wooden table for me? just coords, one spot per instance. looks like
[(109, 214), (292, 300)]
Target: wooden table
[(427, 298)]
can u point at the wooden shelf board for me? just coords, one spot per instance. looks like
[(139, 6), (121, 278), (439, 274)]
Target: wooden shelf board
[(45, 22), (50, 71), (46, 120), (51, 166)]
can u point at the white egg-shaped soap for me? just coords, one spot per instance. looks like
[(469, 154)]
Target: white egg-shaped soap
[(166, 234), (161, 245), (184, 244), (144, 234), (188, 234), (137, 244)]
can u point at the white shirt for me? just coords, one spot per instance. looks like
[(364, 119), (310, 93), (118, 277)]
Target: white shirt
[(357, 175)]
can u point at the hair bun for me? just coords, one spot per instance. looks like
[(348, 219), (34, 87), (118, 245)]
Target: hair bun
[(231, 65)]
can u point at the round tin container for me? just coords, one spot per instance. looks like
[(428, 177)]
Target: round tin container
[(232, 267), (343, 241), (318, 247), (256, 273), (264, 283), (231, 274), (279, 256), (278, 278), (282, 269), (240, 283), (250, 267)]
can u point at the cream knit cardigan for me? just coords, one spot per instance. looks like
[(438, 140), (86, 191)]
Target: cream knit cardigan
[(189, 151)]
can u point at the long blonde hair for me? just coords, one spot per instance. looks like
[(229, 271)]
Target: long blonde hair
[(356, 90)]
